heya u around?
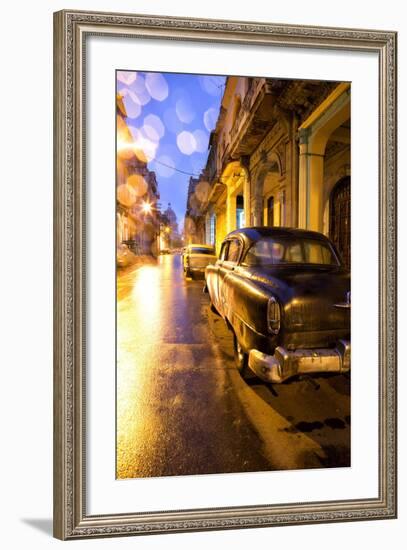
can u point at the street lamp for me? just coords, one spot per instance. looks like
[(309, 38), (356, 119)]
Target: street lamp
[(146, 207)]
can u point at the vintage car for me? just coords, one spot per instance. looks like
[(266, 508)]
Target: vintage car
[(285, 295), (195, 258)]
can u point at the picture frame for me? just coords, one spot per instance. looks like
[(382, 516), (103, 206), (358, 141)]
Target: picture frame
[(72, 29)]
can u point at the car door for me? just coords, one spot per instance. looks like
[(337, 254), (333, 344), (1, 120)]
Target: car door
[(212, 277), (228, 265)]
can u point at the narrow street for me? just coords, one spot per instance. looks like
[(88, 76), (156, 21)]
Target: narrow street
[(182, 407)]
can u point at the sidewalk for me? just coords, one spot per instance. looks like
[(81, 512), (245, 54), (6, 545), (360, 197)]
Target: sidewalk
[(137, 261)]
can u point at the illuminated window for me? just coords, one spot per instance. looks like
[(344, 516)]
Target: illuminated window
[(239, 212), (212, 229)]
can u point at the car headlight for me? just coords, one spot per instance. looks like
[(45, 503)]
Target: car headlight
[(273, 316)]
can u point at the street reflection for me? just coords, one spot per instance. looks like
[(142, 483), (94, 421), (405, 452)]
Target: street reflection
[(138, 325), (146, 294)]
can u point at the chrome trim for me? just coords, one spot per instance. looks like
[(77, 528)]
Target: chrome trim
[(273, 321), (285, 364), (248, 325), (344, 305)]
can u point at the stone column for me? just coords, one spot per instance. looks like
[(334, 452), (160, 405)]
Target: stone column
[(311, 174), (257, 210), (282, 209), (245, 164), (246, 201), (313, 135), (230, 211), (292, 201)]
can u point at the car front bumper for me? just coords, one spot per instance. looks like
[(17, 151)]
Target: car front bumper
[(285, 364)]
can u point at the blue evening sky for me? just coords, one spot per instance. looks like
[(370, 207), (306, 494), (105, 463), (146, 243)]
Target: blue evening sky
[(172, 114)]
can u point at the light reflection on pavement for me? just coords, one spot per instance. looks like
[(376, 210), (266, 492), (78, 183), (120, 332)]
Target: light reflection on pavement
[(176, 411), (182, 407)]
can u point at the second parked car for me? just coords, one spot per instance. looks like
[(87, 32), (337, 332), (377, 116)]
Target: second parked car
[(196, 257)]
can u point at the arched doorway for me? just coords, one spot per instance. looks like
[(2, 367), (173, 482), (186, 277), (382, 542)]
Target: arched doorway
[(339, 218), (268, 186)]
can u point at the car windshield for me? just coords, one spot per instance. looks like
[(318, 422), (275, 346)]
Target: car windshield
[(276, 251), (201, 250)]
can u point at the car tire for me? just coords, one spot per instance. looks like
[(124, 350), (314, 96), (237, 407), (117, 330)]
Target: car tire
[(187, 273), (240, 357)]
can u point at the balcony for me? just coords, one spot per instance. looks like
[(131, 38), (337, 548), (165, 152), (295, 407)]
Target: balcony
[(255, 118)]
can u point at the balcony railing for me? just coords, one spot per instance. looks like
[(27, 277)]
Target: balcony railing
[(248, 101)]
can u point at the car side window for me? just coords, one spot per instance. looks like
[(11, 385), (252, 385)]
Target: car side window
[(224, 251), (234, 251)]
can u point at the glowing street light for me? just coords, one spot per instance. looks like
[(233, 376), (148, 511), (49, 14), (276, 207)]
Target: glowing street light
[(146, 208)]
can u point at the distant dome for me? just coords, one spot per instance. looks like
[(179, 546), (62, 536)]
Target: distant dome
[(172, 217)]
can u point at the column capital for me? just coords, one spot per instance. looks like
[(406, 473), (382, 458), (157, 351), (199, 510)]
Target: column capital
[(245, 161), (303, 135)]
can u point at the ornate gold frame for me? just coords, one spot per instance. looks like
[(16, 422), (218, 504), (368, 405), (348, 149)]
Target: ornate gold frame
[(70, 31)]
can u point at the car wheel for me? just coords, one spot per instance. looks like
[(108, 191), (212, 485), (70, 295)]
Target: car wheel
[(187, 273), (240, 357)]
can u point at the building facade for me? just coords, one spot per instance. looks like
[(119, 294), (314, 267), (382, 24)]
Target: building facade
[(194, 223), (138, 223), (278, 156)]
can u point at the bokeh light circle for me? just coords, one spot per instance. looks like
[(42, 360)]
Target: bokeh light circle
[(138, 184), (172, 122), (202, 191), (126, 195), (131, 103), (139, 91), (185, 110), (126, 77), (210, 117), (145, 149), (186, 143), (212, 85), (157, 86), (153, 127), (201, 140), (125, 151)]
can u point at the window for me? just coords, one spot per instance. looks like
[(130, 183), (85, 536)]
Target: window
[(239, 212), (270, 211), (212, 229), (286, 250), (317, 254), (224, 251), (234, 251)]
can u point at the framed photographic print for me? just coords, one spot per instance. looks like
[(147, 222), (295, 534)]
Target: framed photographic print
[(221, 191)]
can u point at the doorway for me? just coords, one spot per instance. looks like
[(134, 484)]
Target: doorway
[(339, 218)]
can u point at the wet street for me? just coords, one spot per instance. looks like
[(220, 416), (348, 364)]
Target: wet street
[(182, 407)]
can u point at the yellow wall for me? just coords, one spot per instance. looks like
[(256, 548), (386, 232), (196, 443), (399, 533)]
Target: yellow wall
[(221, 230)]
